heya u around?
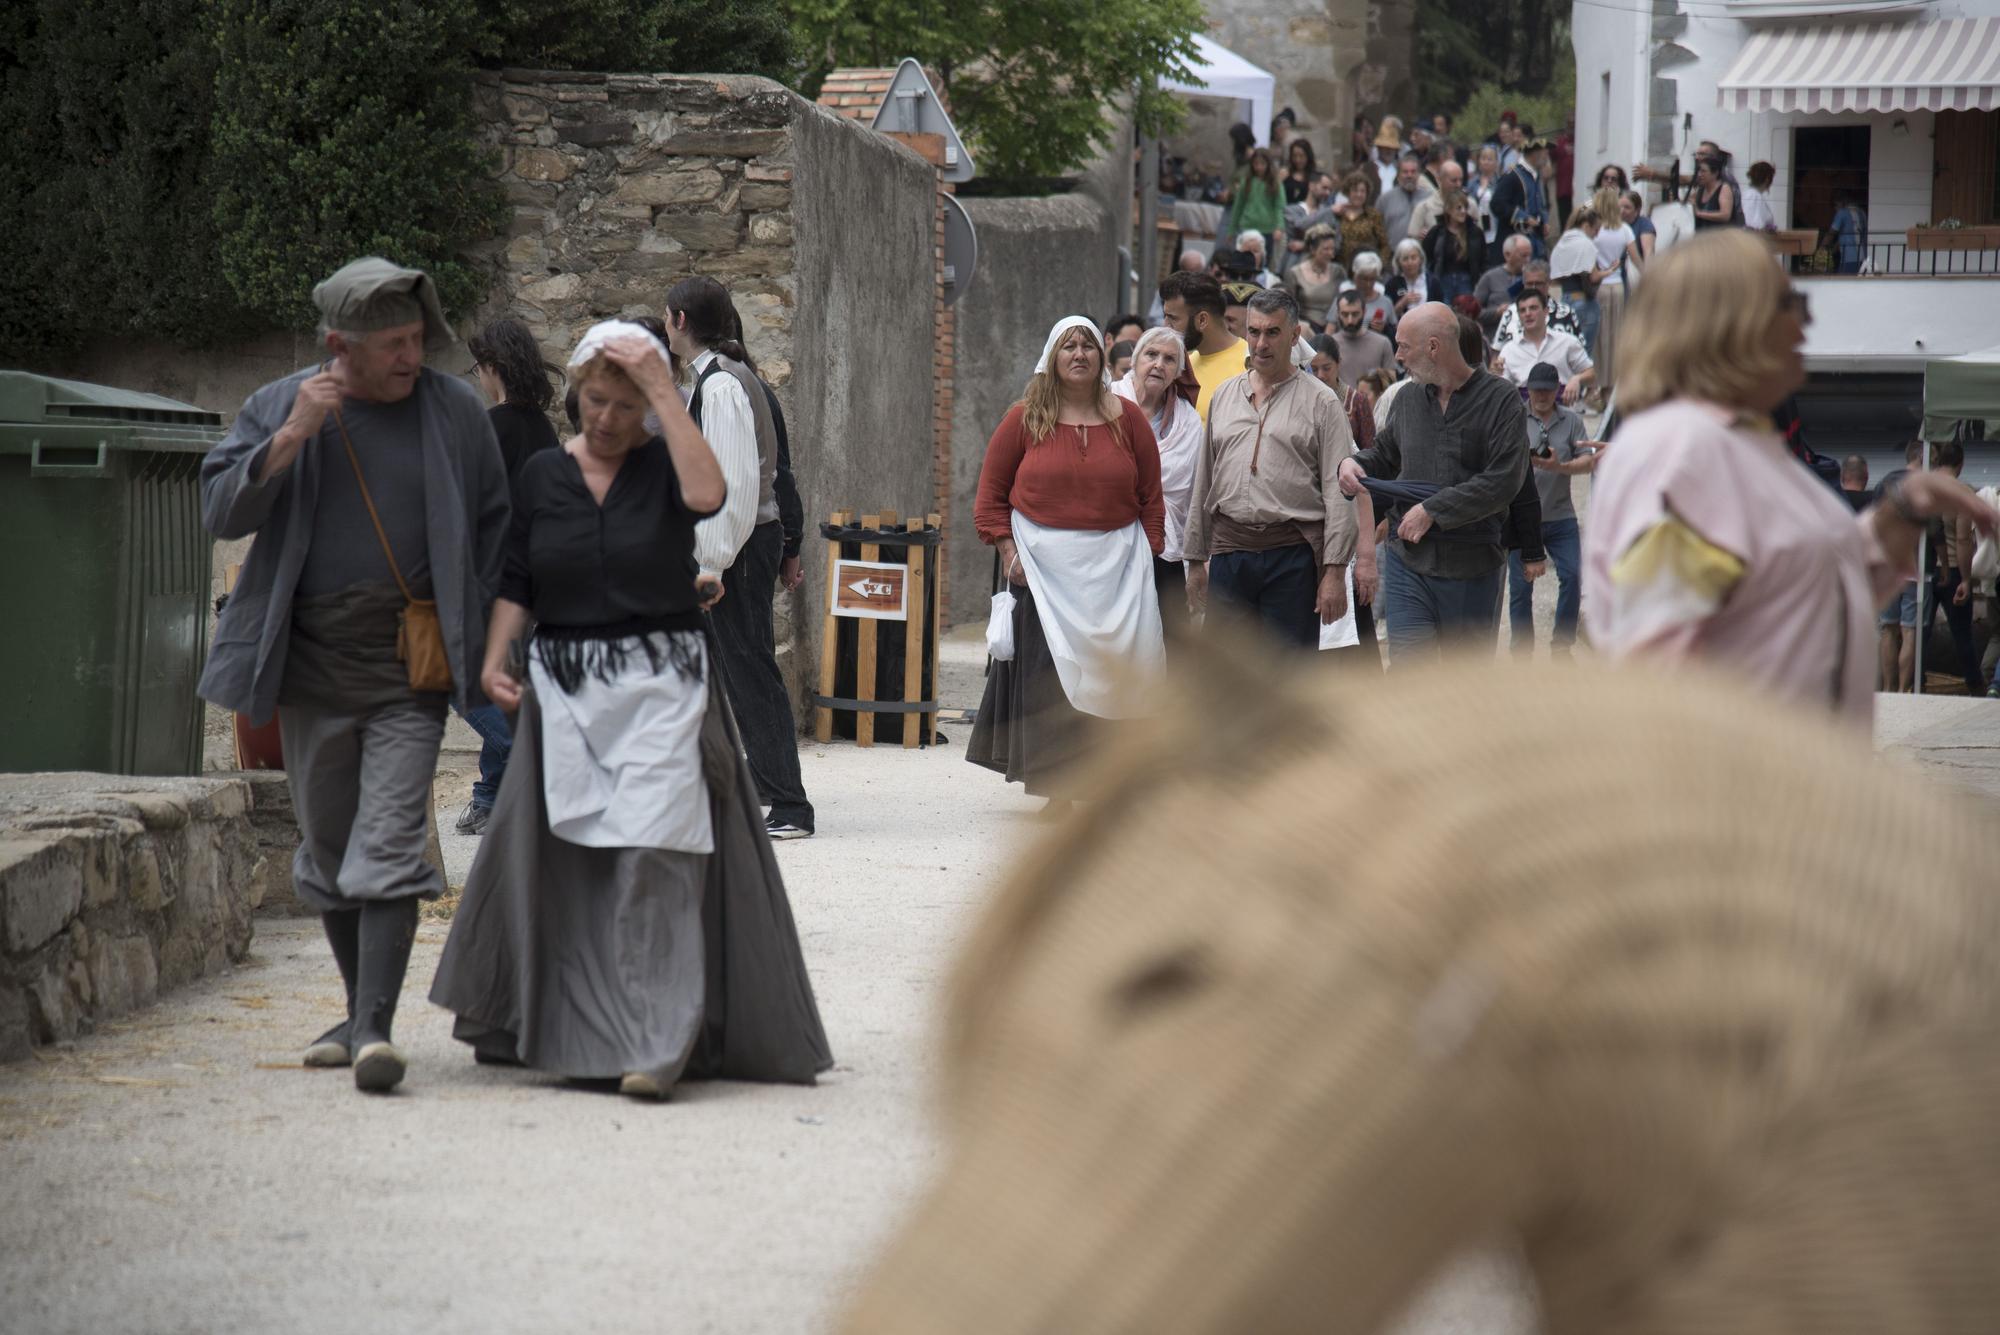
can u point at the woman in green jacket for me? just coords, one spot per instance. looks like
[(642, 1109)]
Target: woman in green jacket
[(1256, 202)]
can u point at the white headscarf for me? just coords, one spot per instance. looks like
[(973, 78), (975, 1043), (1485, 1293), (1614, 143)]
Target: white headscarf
[(1062, 331), (604, 331)]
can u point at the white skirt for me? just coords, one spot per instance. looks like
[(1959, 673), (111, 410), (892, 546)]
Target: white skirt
[(621, 760), (1100, 612)]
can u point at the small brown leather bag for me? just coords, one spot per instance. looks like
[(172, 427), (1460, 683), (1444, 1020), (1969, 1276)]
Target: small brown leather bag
[(419, 633)]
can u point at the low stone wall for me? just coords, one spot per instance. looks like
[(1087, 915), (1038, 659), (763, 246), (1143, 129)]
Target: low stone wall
[(112, 889)]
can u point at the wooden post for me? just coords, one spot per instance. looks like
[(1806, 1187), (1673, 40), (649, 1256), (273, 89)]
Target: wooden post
[(913, 635), (829, 647), (936, 627), (864, 665)]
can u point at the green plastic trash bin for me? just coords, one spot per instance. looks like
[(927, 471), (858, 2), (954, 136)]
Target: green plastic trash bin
[(104, 595)]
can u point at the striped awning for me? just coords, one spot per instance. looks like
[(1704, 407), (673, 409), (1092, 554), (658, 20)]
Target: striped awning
[(1952, 65)]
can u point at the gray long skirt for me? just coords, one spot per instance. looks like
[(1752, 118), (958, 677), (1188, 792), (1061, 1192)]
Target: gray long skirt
[(595, 962)]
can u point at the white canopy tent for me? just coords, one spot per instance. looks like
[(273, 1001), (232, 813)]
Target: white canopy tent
[(1217, 71)]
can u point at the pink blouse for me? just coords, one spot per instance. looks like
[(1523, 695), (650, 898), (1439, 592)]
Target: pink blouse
[(1708, 540)]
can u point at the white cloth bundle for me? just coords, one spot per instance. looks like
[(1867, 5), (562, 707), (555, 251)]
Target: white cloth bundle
[(604, 331)]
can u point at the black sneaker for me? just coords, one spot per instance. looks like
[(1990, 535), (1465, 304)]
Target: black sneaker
[(473, 819), (784, 829)]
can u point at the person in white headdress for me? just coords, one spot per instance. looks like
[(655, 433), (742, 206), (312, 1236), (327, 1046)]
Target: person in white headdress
[(1070, 499), (1157, 361), (626, 862)]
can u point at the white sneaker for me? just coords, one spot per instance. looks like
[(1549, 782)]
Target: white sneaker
[(783, 829)]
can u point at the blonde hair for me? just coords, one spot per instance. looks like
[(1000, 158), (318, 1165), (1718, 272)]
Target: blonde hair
[(1041, 402), (601, 367), (1605, 202), (1699, 327), (1582, 216)]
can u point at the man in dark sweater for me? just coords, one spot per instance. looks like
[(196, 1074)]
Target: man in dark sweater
[(1464, 430)]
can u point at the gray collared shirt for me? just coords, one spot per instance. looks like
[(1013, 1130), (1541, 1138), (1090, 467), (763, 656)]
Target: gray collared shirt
[(1560, 433), (1476, 450)]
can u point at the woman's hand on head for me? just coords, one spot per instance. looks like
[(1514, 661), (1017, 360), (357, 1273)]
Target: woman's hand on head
[(642, 359)]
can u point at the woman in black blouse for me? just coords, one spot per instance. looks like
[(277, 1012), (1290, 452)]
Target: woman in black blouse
[(627, 858)]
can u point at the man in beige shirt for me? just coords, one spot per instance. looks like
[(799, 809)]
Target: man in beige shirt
[(1266, 513)]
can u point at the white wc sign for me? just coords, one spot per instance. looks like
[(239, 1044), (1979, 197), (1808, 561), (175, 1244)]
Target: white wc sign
[(872, 590)]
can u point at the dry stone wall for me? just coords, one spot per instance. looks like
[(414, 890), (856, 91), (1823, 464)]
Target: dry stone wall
[(621, 184), (113, 889)]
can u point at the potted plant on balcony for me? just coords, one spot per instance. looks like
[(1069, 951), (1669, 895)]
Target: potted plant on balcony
[(1952, 234)]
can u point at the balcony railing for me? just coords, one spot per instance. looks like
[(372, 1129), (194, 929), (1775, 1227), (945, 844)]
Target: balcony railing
[(1937, 254)]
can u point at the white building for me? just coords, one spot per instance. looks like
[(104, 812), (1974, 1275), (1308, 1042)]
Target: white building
[(1895, 102)]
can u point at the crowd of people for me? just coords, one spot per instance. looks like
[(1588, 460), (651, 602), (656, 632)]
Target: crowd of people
[(1417, 214), (1310, 481), (600, 610)]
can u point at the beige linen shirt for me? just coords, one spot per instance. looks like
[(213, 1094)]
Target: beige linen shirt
[(1296, 441)]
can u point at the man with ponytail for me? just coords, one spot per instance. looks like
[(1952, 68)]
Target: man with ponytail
[(744, 544)]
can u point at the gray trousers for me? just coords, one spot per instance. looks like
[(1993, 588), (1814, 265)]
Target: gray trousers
[(360, 783)]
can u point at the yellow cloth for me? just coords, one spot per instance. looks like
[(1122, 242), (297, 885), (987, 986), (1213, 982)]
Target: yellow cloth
[(1214, 370), (1671, 550)]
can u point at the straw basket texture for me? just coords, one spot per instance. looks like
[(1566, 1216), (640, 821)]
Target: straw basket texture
[(1686, 991)]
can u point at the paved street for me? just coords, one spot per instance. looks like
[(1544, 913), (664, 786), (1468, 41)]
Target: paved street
[(180, 1173)]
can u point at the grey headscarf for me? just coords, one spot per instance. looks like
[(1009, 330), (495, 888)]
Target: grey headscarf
[(371, 293)]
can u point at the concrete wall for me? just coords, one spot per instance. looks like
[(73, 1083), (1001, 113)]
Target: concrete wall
[(1892, 323), (1039, 260), (864, 342)]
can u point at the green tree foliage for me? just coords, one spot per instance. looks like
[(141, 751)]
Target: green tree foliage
[(106, 220), (1520, 46), (344, 128), (186, 170), (1029, 82), (690, 36)]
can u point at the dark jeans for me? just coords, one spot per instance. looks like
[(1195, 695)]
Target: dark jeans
[(496, 743), (1279, 588), (757, 694), (1957, 618), (1563, 541), (1426, 610)]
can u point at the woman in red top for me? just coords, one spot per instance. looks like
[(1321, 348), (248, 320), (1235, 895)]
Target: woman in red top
[(1069, 496)]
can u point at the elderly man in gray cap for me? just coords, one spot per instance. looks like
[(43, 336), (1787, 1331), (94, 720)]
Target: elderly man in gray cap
[(378, 497)]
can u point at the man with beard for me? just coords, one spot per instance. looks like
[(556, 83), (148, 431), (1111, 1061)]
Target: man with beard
[(1362, 350), (1194, 306)]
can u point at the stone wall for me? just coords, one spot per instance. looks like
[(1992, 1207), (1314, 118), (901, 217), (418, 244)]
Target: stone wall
[(1039, 260), (1330, 58), (620, 184), (112, 889)]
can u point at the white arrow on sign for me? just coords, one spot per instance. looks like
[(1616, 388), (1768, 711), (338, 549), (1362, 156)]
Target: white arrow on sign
[(869, 588)]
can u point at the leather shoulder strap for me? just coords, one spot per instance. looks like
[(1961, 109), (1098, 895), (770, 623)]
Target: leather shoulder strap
[(369, 501)]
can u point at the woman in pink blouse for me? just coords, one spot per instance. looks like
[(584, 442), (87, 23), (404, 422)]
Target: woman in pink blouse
[(1707, 540)]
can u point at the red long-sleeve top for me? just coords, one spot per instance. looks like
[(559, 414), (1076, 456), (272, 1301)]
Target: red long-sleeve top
[(1077, 477)]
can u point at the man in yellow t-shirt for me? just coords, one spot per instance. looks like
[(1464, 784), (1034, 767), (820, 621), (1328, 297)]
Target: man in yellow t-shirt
[(1193, 305)]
